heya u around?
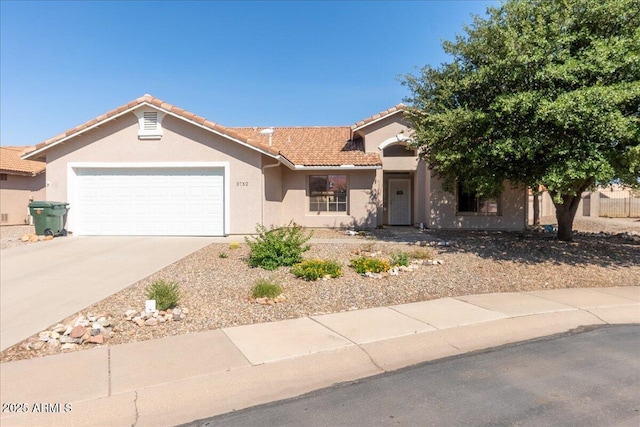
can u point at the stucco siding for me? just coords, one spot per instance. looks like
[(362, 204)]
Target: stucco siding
[(16, 193), (362, 201), (383, 130), (443, 211), (182, 143)]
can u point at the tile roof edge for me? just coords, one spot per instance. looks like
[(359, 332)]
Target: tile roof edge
[(371, 119), (154, 102)]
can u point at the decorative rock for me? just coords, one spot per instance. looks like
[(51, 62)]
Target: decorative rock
[(26, 238), (36, 345), (151, 322), (33, 238), (65, 339), (59, 328), (54, 335), (161, 319), (97, 339), (44, 336), (47, 238), (53, 344), (129, 314), (138, 321), (40, 238), (394, 271), (78, 331), (68, 346)]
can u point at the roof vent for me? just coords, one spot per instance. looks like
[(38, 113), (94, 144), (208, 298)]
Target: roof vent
[(149, 123), (268, 131)]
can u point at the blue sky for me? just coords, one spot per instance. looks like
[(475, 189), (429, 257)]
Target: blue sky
[(244, 63)]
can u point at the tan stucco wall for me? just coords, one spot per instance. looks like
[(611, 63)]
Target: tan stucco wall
[(382, 130), (16, 193), (442, 211), (117, 141), (362, 200)]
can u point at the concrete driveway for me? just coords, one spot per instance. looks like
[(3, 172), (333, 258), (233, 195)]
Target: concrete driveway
[(41, 284)]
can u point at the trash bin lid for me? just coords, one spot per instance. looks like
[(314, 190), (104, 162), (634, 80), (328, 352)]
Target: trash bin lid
[(45, 204)]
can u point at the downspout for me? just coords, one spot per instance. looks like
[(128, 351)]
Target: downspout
[(264, 190)]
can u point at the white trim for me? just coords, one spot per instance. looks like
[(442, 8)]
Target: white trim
[(72, 180), (377, 120), (393, 141)]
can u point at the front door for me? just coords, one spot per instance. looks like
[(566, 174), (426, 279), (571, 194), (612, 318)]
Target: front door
[(399, 202)]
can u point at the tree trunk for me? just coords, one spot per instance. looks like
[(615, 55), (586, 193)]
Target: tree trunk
[(565, 213), (536, 208)]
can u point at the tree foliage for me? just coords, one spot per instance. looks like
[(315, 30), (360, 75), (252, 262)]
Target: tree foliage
[(538, 92)]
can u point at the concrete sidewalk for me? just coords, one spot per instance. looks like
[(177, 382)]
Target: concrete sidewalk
[(183, 378)]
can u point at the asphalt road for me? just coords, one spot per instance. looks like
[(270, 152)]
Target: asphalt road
[(589, 378)]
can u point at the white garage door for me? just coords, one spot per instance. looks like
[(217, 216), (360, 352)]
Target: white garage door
[(149, 201)]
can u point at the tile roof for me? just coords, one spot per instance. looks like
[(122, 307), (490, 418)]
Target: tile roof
[(301, 146), (150, 100), (10, 161), (315, 146), (376, 117)]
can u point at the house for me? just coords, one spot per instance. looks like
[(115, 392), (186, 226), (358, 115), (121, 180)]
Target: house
[(151, 168), (21, 181)]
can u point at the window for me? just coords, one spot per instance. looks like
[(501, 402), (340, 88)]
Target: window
[(3, 177), (328, 193), (471, 203)]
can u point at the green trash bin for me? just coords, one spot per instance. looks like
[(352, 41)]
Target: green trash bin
[(48, 217)]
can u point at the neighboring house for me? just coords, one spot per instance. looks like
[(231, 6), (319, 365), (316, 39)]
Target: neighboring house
[(150, 168), (21, 181)]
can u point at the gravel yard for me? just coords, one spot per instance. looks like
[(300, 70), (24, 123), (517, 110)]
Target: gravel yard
[(215, 289)]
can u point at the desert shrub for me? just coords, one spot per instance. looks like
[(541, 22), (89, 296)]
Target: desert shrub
[(166, 294), (264, 288), (425, 253), (370, 265), (234, 245), (277, 247), (223, 255), (316, 269), (400, 258)]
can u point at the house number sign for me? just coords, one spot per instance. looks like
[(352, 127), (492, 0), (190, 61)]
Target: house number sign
[(242, 183)]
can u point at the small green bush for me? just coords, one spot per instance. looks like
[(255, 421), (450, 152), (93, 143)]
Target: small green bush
[(223, 255), (277, 247), (364, 265), (166, 294), (234, 245), (400, 259), (316, 269), (264, 288), (425, 253)]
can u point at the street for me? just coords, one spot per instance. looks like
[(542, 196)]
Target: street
[(590, 378)]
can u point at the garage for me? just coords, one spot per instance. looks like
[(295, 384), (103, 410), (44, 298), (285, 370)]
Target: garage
[(147, 200)]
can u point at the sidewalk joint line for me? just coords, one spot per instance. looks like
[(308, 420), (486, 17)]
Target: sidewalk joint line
[(354, 343), (414, 318), (135, 406), (238, 348), (596, 316)]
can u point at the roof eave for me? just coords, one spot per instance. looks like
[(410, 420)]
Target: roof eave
[(357, 128), (32, 154)]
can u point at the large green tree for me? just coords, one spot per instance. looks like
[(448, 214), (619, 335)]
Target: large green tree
[(537, 92)]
